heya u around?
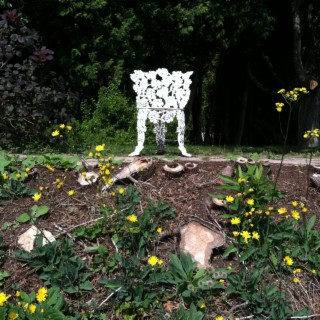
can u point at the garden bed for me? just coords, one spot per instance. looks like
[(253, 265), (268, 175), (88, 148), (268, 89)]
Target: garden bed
[(187, 195)]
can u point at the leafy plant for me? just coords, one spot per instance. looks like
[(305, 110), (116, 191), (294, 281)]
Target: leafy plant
[(58, 266), (43, 304), (34, 213)]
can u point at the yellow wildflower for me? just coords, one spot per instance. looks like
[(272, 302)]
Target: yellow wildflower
[(229, 199), (203, 305), (282, 91), (235, 220), (32, 308), (160, 261), (298, 270), (295, 280), (3, 298), (36, 196), (42, 294), (295, 215), (13, 315), (282, 210), (69, 128), (288, 261), (221, 281), (18, 293), (55, 133), (250, 202), (100, 147), (219, 318), (18, 175), (255, 235), (90, 154), (27, 169), (153, 260), (236, 233), (71, 192), (245, 235), (159, 230), (5, 176), (62, 126), (50, 168), (132, 218), (121, 190), (314, 271), (294, 203)]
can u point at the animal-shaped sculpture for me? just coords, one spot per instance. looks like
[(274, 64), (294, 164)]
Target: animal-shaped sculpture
[(161, 97)]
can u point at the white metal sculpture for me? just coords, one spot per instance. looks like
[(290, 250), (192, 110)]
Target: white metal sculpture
[(161, 97)]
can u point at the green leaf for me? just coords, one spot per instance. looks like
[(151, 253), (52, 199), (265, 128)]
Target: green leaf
[(176, 268), (86, 286), (247, 254), (23, 218), (311, 223), (229, 250), (39, 211)]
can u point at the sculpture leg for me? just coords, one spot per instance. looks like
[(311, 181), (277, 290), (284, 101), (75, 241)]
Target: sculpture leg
[(180, 131), (141, 129), (160, 131)]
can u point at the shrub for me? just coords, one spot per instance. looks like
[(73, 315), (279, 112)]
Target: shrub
[(31, 94)]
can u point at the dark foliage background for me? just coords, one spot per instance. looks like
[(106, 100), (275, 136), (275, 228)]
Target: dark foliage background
[(242, 52)]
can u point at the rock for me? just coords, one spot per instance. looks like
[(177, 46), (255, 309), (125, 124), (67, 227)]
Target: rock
[(173, 170), (28, 238), (198, 241)]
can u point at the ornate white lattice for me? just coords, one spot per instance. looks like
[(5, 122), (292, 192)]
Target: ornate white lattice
[(161, 97)]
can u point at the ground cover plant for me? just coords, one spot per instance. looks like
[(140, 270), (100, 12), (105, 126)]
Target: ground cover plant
[(115, 252)]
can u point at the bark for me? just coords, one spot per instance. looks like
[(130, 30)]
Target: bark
[(299, 73)]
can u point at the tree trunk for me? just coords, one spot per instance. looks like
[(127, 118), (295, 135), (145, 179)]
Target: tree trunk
[(299, 73)]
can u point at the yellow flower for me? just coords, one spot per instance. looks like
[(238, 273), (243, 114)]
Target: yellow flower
[(13, 315), (203, 305), (27, 169), (282, 91), (107, 172), (221, 281), (62, 126), (41, 188), (18, 293), (296, 271), (295, 203), (50, 168), (314, 271), (255, 235), (32, 308), (132, 218), (304, 209), (55, 133), (235, 220), (159, 230), (160, 261), (18, 175), (245, 235), (69, 128), (36, 196), (295, 280), (241, 180), (250, 202), (3, 298), (42, 294), (251, 190), (219, 318), (153, 260), (90, 154), (295, 215), (267, 213), (100, 147), (71, 192), (282, 210), (236, 233), (5, 176), (121, 190), (229, 199), (288, 261), (279, 106)]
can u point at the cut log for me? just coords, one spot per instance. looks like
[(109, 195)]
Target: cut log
[(242, 163), (89, 178), (315, 181), (173, 170), (198, 241), (190, 166), (132, 171)]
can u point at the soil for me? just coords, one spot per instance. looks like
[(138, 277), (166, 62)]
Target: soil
[(188, 194)]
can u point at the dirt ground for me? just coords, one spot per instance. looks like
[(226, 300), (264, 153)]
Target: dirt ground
[(187, 194)]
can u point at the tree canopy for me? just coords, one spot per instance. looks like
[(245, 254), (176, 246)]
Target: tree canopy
[(241, 52)]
